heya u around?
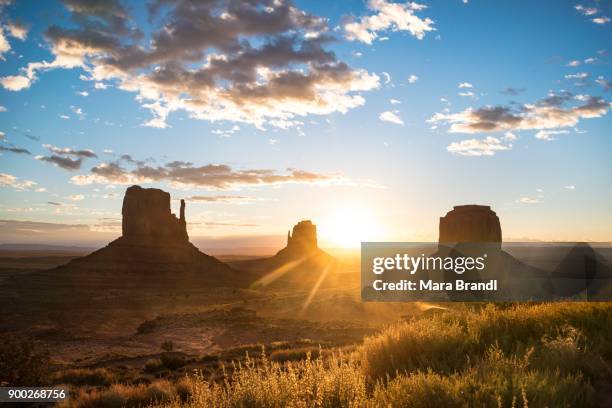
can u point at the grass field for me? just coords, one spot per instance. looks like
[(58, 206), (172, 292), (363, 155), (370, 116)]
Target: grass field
[(538, 355)]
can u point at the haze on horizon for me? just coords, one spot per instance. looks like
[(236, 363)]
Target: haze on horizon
[(372, 119)]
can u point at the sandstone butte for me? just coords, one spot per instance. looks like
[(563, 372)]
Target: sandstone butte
[(155, 243)]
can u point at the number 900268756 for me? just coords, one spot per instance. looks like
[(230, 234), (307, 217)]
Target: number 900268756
[(34, 394)]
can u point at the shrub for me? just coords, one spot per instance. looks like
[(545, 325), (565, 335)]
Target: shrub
[(427, 343), (153, 365), (23, 362), (172, 362), (514, 381), (497, 380), (167, 345), (83, 376)]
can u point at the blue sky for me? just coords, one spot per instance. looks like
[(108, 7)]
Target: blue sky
[(370, 118)]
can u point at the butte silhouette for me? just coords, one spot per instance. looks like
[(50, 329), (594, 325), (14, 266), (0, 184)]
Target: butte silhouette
[(472, 229), (470, 223), (154, 243), (152, 268), (475, 230), (297, 266)]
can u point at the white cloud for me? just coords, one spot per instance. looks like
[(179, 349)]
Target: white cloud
[(548, 113), (570, 187), (601, 20), (509, 137), (478, 147), (12, 29), (17, 31), (76, 197), (548, 135), (285, 123), (465, 85), (4, 45), (388, 15), (587, 11), (467, 94), (391, 116), (582, 97), (2, 108), (395, 101), (578, 75), (412, 79), (603, 82), (255, 65), (15, 82), (229, 132), (83, 93), (529, 200), (386, 77), (100, 85), (574, 63), (209, 176), (65, 117), (8, 180), (77, 111)]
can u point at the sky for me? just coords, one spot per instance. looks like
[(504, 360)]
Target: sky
[(371, 118)]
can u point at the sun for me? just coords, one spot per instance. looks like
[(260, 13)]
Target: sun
[(349, 226)]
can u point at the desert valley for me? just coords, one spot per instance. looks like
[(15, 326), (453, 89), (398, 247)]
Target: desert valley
[(151, 307), (305, 204)]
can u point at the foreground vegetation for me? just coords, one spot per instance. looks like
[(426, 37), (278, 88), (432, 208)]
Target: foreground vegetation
[(505, 355)]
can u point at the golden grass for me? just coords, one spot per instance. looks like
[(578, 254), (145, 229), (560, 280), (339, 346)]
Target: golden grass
[(507, 355), (119, 395)]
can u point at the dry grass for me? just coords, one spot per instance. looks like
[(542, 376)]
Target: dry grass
[(300, 353), (84, 376), (508, 356), (119, 395), (333, 382), (445, 342), (497, 380)]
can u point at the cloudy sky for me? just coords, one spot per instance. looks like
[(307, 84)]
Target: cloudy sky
[(372, 118)]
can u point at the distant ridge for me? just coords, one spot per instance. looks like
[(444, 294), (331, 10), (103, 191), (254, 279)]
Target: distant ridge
[(44, 247)]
